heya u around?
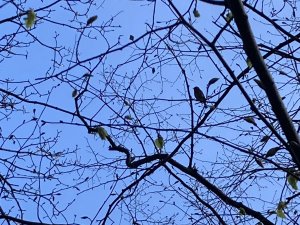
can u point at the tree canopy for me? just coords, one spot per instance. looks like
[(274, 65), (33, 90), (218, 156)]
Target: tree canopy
[(149, 112)]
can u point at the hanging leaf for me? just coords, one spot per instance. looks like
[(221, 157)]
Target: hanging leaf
[(212, 81), (74, 93), (30, 19), (131, 37), (159, 142), (272, 151), (196, 13), (259, 83), (91, 20), (292, 180), (228, 16), (242, 211), (259, 162), (250, 119), (249, 63), (102, 133)]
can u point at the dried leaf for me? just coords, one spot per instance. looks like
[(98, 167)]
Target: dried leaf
[(74, 93), (91, 20), (212, 81), (259, 162), (250, 119), (272, 151), (196, 13)]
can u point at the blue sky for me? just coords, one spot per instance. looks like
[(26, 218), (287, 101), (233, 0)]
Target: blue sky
[(109, 88)]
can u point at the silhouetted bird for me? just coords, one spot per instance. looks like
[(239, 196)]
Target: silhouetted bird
[(199, 95)]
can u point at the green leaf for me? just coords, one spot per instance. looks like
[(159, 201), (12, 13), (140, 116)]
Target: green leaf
[(212, 81), (280, 213), (250, 119), (102, 133), (272, 151), (196, 13), (74, 93), (159, 142), (249, 63), (91, 20), (30, 19), (292, 180), (242, 211), (228, 16)]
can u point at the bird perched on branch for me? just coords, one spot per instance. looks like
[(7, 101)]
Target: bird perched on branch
[(199, 95)]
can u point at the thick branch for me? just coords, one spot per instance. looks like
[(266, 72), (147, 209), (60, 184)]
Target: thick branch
[(253, 53)]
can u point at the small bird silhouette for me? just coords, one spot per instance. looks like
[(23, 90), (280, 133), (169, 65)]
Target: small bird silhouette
[(199, 95)]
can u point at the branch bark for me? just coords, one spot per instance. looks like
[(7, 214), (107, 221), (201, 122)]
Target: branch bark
[(253, 53)]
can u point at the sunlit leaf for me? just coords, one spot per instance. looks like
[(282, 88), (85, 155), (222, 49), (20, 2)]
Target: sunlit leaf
[(196, 13), (159, 142), (91, 20), (102, 133), (272, 151), (250, 119), (30, 19), (292, 180)]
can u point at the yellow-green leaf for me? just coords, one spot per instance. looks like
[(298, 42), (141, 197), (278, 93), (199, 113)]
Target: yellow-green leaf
[(74, 93), (293, 181), (280, 213), (102, 133), (249, 63), (159, 142), (250, 119), (91, 20), (272, 151), (30, 19), (196, 13)]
